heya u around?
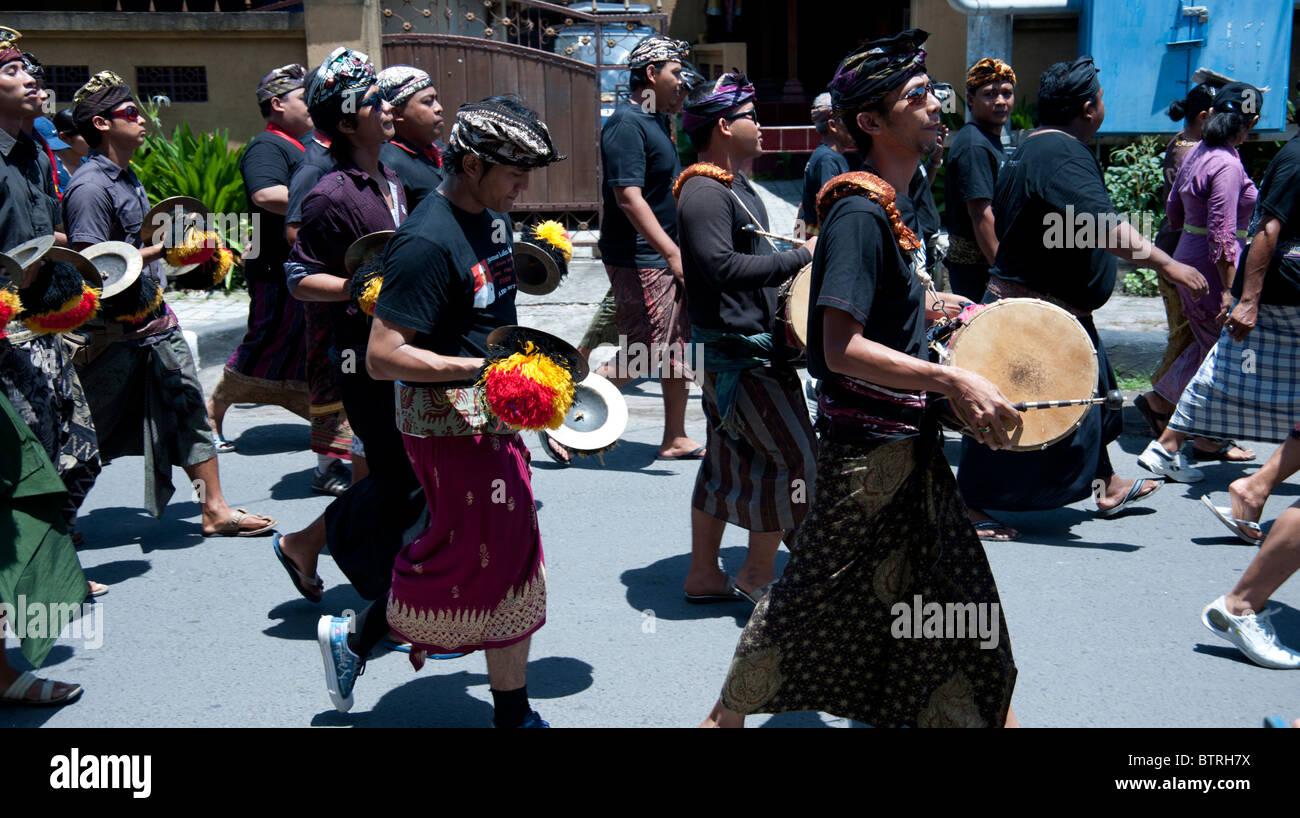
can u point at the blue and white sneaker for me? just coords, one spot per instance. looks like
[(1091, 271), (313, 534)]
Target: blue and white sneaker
[(342, 666)]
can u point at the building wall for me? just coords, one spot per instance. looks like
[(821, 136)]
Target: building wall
[(236, 50)]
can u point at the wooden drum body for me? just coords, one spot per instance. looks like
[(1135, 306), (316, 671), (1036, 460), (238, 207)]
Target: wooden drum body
[(792, 311), (1032, 351)]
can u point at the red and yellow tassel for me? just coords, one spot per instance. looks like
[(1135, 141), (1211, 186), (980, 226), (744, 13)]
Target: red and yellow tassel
[(370, 295), (222, 261), (528, 390), (553, 234), (199, 246), (71, 314), (10, 305)]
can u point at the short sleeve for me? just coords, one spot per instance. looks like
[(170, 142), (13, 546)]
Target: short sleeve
[(417, 283), (264, 165), (624, 146), (852, 257), (975, 174), (1281, 198), (88, 214)]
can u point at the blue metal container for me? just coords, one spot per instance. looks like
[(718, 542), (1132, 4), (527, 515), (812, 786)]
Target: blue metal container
[(1148, 51)]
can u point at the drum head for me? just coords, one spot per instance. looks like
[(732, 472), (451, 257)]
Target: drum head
[(1032, 351), (797, 305)]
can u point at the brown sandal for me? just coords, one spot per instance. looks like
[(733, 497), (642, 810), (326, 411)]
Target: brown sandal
[(231, 527)]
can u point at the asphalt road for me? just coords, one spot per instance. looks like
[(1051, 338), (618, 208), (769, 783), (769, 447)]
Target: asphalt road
[(1103, 614)]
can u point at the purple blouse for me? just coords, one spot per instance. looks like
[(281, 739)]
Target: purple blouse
[(1211, 192)]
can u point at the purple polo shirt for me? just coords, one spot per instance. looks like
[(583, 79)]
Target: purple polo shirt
[(346, 204)]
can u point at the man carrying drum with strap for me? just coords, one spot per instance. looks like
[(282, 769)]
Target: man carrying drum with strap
[(759, 468), (886, 523), (1053, 185)]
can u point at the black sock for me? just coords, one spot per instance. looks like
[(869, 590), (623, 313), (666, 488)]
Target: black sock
[(510, 707), (371, 626)]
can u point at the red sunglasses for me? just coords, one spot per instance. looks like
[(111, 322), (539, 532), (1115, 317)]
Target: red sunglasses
[(130, 113)]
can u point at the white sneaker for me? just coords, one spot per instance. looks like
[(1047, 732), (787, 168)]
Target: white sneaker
[(1253, 635), (1170, 466)]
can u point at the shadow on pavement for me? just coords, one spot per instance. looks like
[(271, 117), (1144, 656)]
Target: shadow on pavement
[(294, 485), (444, 700), (271, 438), (628, 455), (1053, 528), (181, 526), (658, 588), (111, 573), (299, 616)]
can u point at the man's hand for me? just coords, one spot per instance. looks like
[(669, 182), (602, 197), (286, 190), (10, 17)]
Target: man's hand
[(675, 267), (987, 413), (811, 244), (1242, 320), (1187, 276)]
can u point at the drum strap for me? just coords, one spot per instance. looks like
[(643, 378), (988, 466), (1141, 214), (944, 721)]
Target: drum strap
[(1005, 288)]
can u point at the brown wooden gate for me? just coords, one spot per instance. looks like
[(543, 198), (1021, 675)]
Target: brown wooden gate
[(562, 90)]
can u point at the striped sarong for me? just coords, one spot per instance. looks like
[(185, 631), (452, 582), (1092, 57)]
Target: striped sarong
[(270, 365), (1250, 388), (761, 477)]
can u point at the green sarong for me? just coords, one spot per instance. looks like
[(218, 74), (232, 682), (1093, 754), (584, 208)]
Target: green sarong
[(38, 563)]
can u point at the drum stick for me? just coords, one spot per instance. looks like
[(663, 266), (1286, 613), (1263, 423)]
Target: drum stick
[(1113, 400), (749, 228)]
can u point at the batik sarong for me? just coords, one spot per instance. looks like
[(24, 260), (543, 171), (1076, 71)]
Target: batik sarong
[(650, 310), (330, 432), (887, 532), (270, 364), (475, 578)]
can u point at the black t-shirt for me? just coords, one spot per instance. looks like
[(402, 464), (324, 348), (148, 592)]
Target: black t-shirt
[(636, 151), (316, 162), (731, 274), (974, 160), (419, 174), (1279, 197), (1051, 172), (450, 276), (824, 165), (269, 160), (858, 268), (920, 212)]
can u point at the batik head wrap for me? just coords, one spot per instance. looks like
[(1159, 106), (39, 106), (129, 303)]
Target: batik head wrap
[(1078, 84), (657, 48), (724, 96), (281, 81), (344, 71), (104, 92), (989, 69), (33, 67), (401, 82), (9, 45), (493, 131), (873, 70)]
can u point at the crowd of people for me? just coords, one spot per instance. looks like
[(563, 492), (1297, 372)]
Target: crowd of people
[(858, 488)]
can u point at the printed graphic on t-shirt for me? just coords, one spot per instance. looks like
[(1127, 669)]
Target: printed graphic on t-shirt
[(493, 278)]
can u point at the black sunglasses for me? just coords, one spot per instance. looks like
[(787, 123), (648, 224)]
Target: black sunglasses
[(750, 114)]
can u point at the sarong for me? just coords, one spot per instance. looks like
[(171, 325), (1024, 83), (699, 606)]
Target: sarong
[(650, 310), (761, 478), (38, 564), (270, 365), (41, 383), (1247, 389), (146, 400), (1180, 331), (474, 579), (330, 432), (887, 531), (601, 330)]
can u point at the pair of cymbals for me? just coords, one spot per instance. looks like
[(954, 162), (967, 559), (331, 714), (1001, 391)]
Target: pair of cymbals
[(16, 261), (538, 266), (173, 218)]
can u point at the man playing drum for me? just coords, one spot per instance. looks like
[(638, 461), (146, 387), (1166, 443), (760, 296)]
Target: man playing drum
[(886, 523), (1053, 187), (759, 468)]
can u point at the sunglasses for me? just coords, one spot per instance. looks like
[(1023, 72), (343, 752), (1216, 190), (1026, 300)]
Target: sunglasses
[(751, 115), (130, 113), (917, 96), (373, 100)]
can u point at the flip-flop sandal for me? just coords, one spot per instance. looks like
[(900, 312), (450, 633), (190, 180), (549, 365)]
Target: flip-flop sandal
[(696, 454), (731, 594), (993, 525), (546, 447), (221, 444), (1155, 420), (96, 592), (1224, 515), (755, 596), (1134, 494), (1221, 453), (295, 574), (17, 692), (230, 528)]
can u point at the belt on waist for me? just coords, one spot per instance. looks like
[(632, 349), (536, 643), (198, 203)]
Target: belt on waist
[(1197, 230)]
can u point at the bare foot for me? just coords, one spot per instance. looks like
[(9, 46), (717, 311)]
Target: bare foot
[(722, 717), (1236, 454), (681, 447), (95, 588), (749, 580), (1117, 490), (303, 557), (226, 523), (60, 691), (705, 583), (559, 449)]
